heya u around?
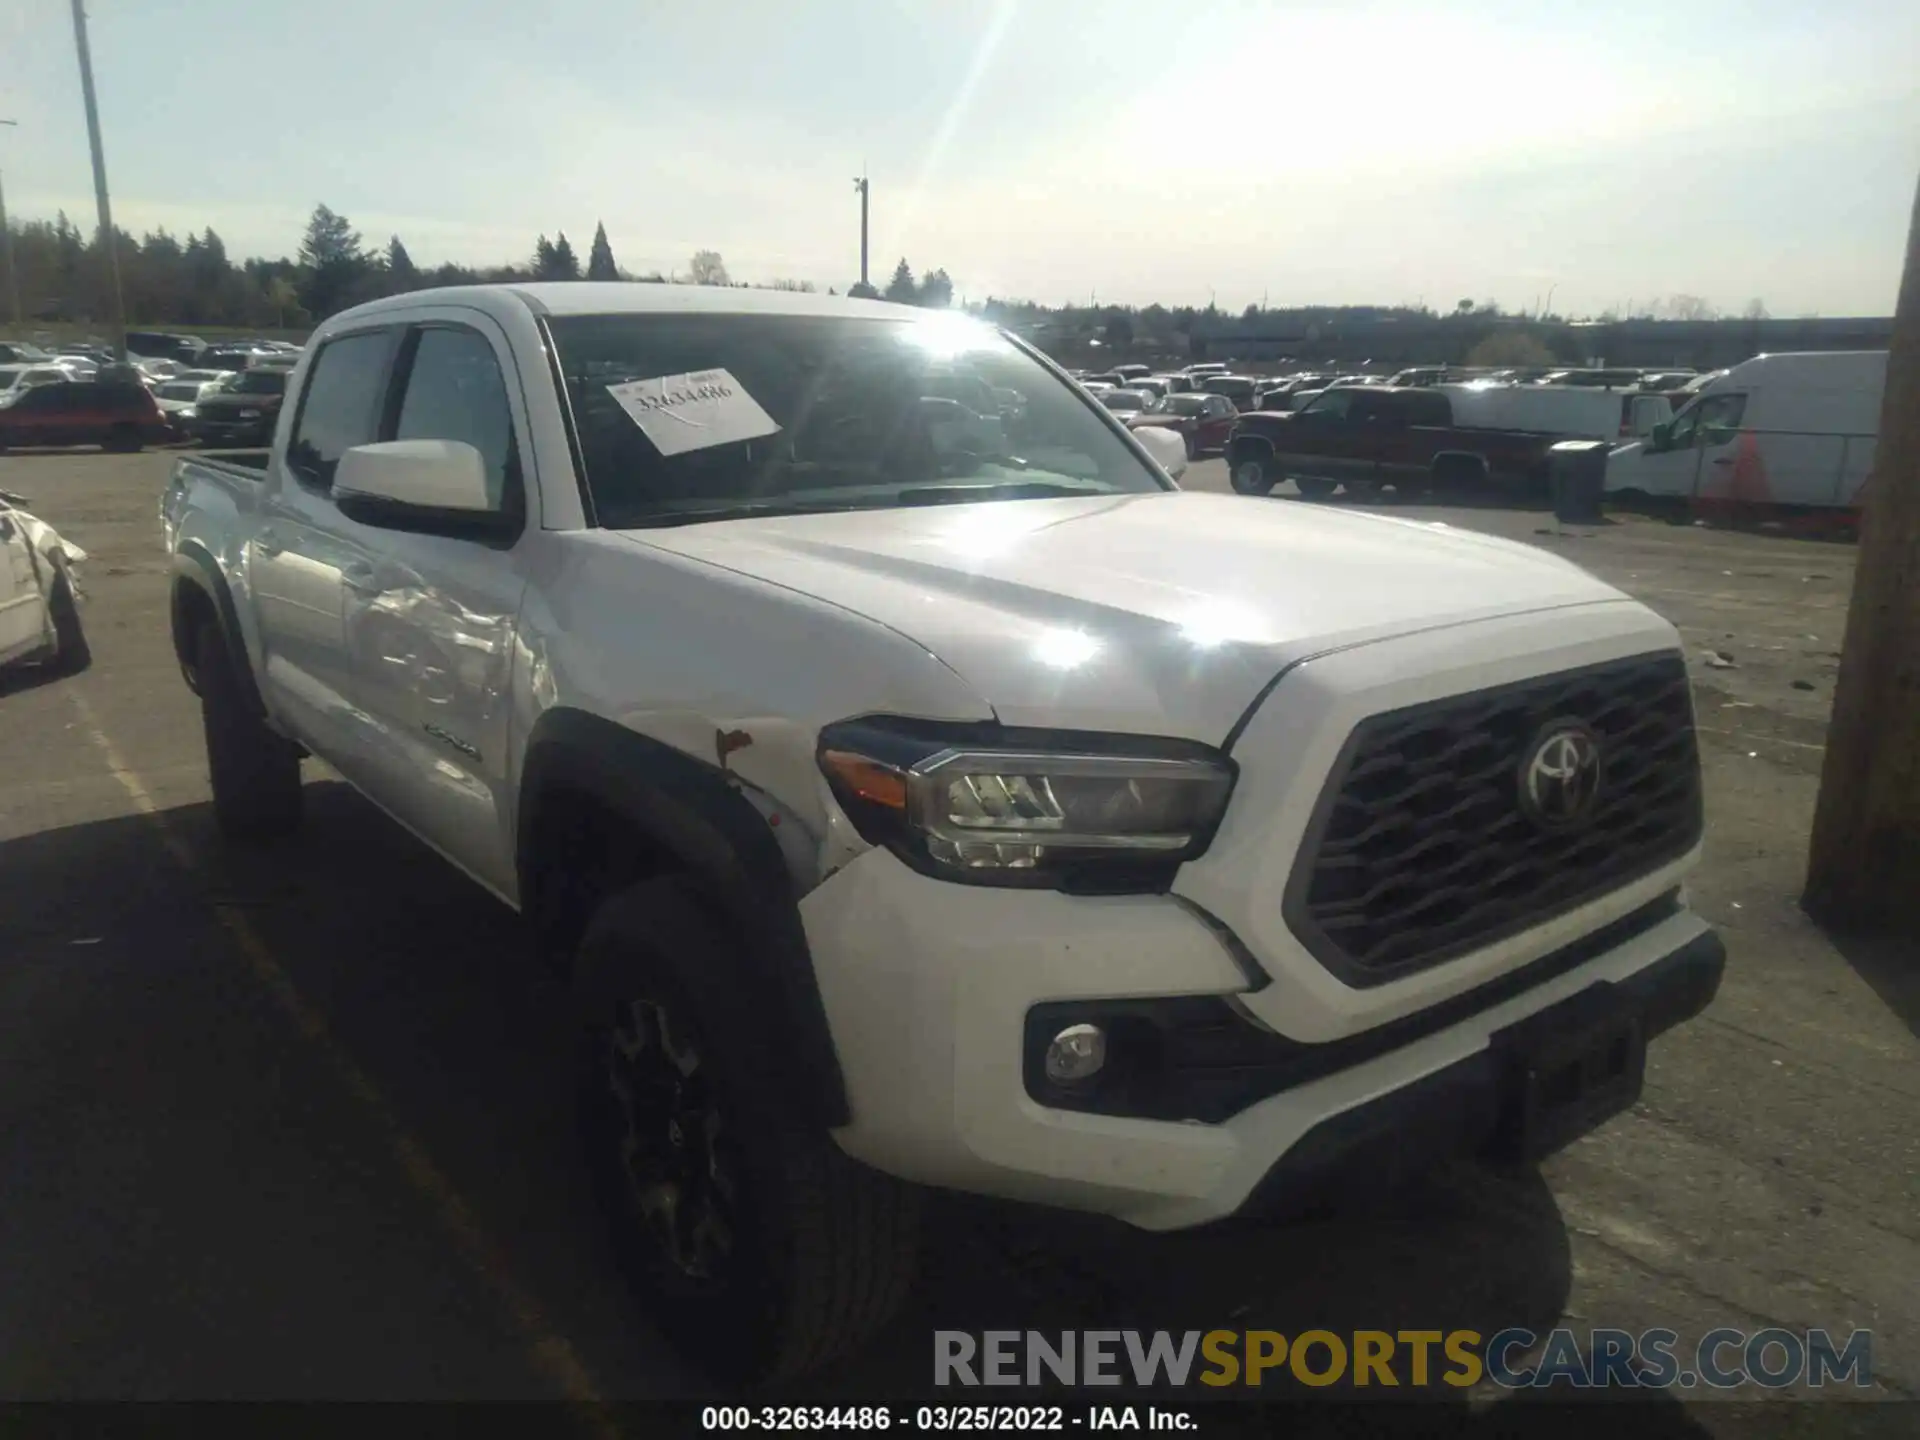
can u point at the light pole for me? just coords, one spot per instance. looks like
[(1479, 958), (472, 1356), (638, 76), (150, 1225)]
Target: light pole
[(6, 248), (100, 182), (860, 184)]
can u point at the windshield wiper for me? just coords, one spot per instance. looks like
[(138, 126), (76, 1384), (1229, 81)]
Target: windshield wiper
[(745, 510), (1012, 490)]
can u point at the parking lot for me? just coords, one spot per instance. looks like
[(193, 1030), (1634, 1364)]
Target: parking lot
[(295, 1123)]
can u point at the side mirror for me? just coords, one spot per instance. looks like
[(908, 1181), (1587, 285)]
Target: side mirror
[(434, 487), (1167, 447), (1660, 437)]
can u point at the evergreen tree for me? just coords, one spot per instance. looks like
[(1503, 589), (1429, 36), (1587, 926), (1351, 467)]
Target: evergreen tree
[(400, 265), (901, 288), (565, 265), (600, 264)]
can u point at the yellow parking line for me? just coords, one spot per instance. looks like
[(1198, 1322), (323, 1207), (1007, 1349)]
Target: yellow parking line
[(552, 1354)]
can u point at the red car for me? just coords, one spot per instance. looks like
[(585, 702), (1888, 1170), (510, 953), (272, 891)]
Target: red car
[(115, 415), (1206, 420)]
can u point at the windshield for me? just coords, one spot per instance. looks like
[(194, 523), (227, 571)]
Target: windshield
[(258, 382), (845, 413), (8, 375), (1185, 405), (1125, 399), (184, 391)]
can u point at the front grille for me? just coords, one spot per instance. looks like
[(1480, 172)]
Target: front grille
[(1420, 849)]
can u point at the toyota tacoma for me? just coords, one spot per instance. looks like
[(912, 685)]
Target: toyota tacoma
[(922, 799)]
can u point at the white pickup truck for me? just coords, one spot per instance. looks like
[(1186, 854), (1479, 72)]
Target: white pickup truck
[(918, 803)]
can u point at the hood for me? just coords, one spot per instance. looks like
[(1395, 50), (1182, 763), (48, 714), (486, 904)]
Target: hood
[(1164, 613)]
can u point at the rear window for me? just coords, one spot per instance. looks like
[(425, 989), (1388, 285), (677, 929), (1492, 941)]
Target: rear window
[(259, 382), (859, 411), (341, 405)]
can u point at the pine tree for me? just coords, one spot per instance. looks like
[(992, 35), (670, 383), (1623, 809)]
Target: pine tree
[(400, 264), (600, 264), (543, 259), (901, 288), (566, 265)]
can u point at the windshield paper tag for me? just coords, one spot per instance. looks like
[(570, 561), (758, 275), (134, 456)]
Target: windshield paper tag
[(679, 413)]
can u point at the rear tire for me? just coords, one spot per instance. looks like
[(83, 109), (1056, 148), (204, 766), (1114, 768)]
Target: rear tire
[(255, 772), (763, 1250), (1315, 487), (71, 653), (123, 440), (1250, 477)]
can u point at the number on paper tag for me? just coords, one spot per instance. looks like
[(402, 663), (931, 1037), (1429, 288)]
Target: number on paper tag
[(696, 411)]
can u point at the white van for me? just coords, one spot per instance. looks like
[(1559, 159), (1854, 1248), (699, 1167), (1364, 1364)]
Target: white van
[(1774, 430), (1576, 412)]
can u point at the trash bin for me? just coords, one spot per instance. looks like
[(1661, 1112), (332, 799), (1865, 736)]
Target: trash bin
[(1577, 478)]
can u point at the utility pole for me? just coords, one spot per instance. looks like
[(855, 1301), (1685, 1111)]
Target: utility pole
[(862, 186), (6, 249), (1865, 856), (107, 241)]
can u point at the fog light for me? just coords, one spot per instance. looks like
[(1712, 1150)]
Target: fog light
[(1076, 1053)]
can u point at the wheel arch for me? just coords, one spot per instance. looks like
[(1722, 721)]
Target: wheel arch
[(200, 595), (602, 807)]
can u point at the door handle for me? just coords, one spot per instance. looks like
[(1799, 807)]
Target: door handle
[(268, 543), (1724, 460)]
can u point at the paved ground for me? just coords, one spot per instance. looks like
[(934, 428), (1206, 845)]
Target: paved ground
[(292, 1124)]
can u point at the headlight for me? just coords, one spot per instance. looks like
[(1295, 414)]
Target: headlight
[(998, 807)]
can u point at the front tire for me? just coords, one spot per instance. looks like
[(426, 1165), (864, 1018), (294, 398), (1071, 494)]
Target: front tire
[(255, 773), (123, 440), (1250, 477), (764, 1251), (71, 653)]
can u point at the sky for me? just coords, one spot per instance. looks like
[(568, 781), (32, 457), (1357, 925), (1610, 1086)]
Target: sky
[(1124, 151)]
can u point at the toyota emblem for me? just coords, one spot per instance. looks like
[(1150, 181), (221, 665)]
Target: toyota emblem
[(1560, 778)]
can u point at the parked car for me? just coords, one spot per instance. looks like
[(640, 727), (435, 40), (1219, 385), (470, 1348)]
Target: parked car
[(21, 352), (179, 398), (1204, 420), (1204, 368), (16, 380), (1132, 372), (1177, 384), (1284, 399), (1614, 379), (115, 415), (1786, 429), (39, 592), (904, 818), (157, 345), (1126, 402), (1104, 377), (1153, 385), (228, 357), (1366, 437), (243, 410), (1240, 389)]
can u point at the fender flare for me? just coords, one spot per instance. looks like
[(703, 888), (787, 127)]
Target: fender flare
[(195, 568), (689, 810)]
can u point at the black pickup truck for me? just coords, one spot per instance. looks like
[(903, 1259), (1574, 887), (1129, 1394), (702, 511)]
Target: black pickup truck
[(1367, 437)]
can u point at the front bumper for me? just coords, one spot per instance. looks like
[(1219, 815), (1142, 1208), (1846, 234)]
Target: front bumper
[(231, 432), (928, 987)]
